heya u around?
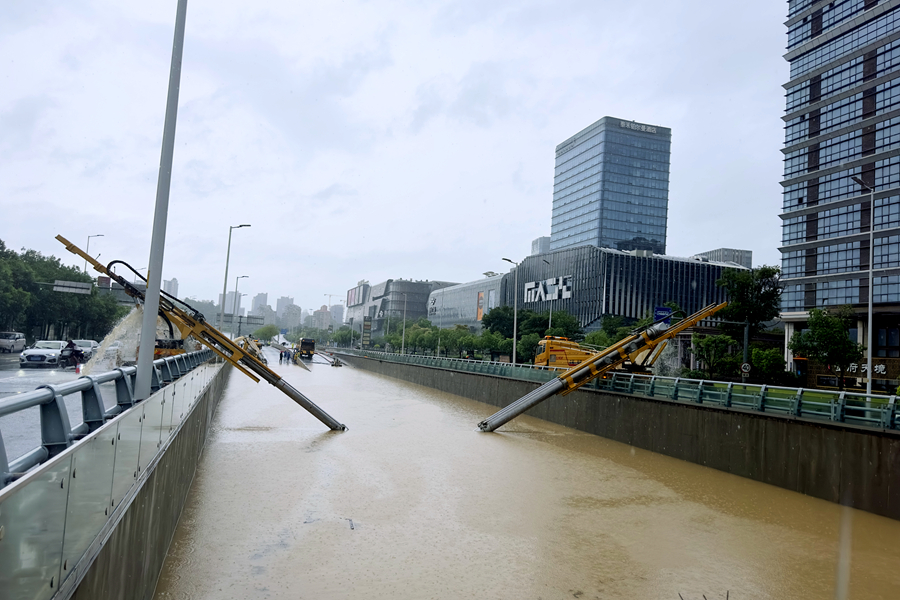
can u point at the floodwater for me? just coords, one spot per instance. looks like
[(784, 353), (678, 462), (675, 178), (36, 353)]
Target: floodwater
[(413, 502)]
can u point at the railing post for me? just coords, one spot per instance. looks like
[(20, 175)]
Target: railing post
[(887, 418), (124, 390), (155, 379), (631, 384), (4, 464), (761, 399), (837, 408), (56, 432), (92, 409), (674, 394), (652, 386), (728, 393), (700, 392), (797, 406)]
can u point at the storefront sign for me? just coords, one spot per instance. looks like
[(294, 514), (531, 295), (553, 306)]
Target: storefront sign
[(555, 288)]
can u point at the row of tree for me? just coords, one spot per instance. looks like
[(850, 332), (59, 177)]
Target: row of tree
[(29, 305)]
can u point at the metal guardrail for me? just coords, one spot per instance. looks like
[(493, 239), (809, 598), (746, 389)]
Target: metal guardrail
[(876, 412), (56, 432), (54, 521)]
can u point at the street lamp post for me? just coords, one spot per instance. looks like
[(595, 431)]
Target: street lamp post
[(869, 348), (550, 324), (515, 308), (225, 283), (403, 341), (236, 299), (87, 250)]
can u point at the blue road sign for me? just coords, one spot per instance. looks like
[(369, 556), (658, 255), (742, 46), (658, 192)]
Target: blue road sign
[(662, 312)]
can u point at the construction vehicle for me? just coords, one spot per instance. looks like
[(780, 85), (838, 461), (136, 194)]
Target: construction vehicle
[(639, 348), (562, 352), (190, 322), (306, 348)]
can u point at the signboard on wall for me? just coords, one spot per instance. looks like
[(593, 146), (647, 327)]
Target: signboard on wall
[(555, 288), (479, 310), (367, 332)]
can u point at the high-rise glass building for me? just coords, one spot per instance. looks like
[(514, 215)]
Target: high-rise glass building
[(611, 187), (842, 120)]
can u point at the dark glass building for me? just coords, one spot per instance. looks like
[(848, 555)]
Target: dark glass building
[(591, 283), (611, 187), (842, 120)]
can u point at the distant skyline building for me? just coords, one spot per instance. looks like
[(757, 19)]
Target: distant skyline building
[(337, 314), (258, 302), (322, 318), (842, 120), (611, 187), (170, 286), (724, 255), (282, 304), (541, 245)]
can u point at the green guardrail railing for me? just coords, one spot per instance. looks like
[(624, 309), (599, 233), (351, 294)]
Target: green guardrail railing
[(876, 412)]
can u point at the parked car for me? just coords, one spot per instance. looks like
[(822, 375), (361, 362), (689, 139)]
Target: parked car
[(12, 341), (44, 353), (87, 347)]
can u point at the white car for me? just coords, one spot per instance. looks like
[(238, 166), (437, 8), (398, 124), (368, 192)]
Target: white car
[(87, 347), (12, 341), (44, 353)]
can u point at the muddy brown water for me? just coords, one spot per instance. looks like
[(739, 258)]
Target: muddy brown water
[(413, 502)]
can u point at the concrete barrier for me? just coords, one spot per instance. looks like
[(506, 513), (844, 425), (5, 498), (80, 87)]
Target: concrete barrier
[(834, 461), (128, 565)]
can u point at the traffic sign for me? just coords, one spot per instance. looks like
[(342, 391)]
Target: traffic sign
[(745, 368)]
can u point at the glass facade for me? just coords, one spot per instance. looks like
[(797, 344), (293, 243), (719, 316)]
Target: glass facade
[(390, 299), (591, 283), (465, 304), (842, 120), (611, 187)]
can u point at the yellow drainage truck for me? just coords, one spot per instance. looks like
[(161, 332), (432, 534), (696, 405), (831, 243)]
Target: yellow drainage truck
[(561, 352)]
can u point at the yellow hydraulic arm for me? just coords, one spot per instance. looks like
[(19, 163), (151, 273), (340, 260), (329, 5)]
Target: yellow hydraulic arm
[(191, 322), (651, 339)]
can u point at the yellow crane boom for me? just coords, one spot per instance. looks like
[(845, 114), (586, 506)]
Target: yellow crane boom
[(651, 339), (191, 322)]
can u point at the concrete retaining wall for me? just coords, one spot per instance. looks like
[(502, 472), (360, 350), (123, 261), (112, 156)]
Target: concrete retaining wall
[(841, 463), (129, 564)]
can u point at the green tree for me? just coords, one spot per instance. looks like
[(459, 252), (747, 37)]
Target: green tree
[(768, 364), (753, 295), (266, 332), (526, 347), (714, 352), (500, 321), (827, 340)]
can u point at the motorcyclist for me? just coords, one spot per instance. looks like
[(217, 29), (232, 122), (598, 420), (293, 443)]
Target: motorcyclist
[(75, 352)]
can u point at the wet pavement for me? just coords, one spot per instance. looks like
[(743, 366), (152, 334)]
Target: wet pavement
[(413, 502)]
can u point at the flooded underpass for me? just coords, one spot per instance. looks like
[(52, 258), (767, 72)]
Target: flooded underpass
[(414, 502)]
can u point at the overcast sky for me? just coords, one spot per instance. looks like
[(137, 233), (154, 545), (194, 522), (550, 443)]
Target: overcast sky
[(374, 139)]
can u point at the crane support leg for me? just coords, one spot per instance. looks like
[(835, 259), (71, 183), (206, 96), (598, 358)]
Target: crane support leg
[(595, 366)]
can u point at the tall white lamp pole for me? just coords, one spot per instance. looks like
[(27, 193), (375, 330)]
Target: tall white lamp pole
[(869, 348), (515, 308)]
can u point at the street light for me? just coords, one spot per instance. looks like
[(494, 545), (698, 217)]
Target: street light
[(515, 308), (550, 324), (225, 283), (403, 341), (87, 250), (236, 300), (869, 348)]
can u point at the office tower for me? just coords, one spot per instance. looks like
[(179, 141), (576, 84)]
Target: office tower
[(611, 187), (842, 134)]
